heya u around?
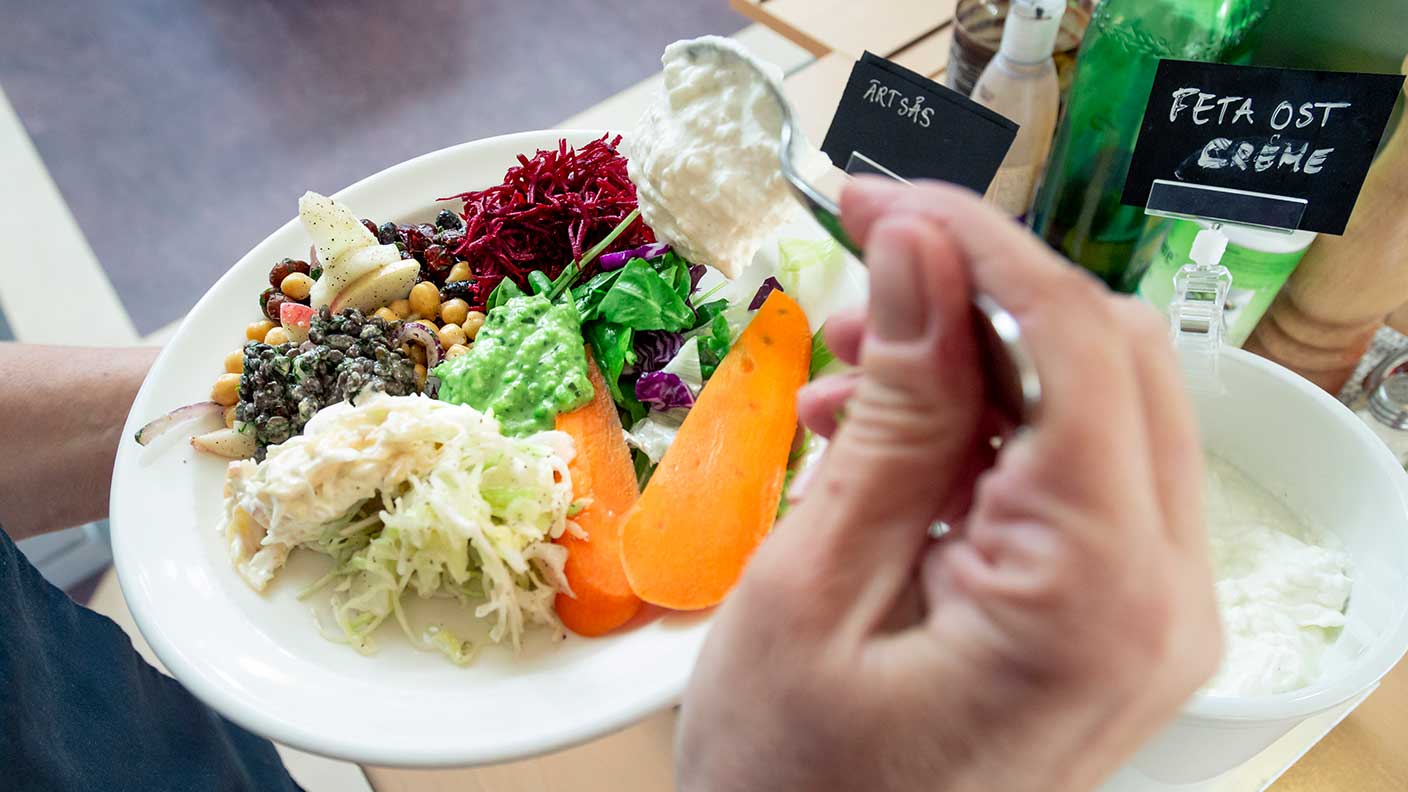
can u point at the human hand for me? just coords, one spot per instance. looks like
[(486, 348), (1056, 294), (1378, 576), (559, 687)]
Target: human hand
[(1066, 618)]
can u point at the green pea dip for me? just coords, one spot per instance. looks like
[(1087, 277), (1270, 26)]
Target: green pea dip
[(528, 364)]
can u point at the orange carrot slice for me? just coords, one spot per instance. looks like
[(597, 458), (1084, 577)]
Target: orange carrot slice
[(714, 496), (601, 471)]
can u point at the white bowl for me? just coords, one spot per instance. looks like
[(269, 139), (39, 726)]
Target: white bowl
[(258, 659), (1319, 458)]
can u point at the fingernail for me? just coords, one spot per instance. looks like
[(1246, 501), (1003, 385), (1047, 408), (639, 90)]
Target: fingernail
[(897, 310)]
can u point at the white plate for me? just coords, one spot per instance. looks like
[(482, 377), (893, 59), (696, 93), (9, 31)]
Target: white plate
[(259, 659)]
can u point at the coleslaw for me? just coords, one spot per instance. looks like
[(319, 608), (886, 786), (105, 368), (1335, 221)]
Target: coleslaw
[(409, 494)]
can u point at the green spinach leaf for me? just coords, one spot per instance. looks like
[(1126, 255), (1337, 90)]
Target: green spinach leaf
[(588, 295), (613, 346), (505, 291), (644, 467), (714, 345), (704, 314), (643, 300), (675, 270), (538, 281)]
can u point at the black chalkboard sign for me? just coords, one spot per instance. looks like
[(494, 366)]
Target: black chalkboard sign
[(906, 125), (1292, 132)]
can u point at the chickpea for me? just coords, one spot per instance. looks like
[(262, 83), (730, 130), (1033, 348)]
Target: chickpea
[(425, 299), (296, 286), (471, 324), (230, 417), (402, 308), (387, 315), (459, 272), (234, 362), (417, 353), (276, 336), (257, 330), (450, 335), (455, 351), (226, 390), (420, 376), (454, 311)]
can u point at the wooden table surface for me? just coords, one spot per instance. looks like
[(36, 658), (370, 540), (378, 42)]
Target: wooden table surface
[(1369, 749)]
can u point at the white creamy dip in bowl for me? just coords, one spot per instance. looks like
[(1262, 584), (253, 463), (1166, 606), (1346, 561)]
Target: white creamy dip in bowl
[(1316, 457)]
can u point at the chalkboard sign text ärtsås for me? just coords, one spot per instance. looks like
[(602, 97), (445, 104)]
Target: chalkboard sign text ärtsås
[(904, 125), (910, 107)]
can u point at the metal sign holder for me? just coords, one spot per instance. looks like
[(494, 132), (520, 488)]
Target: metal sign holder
[(1224, 205)]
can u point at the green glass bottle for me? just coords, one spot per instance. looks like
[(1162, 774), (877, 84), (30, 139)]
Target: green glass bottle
[(1078, 208)]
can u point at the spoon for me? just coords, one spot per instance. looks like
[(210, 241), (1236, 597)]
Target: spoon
[(1011, 376)]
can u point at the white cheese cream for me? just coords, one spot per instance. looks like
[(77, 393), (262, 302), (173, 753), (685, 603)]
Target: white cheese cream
[(704, 156), (1281, 587)]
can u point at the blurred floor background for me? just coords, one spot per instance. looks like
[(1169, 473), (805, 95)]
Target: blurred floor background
[(180, 133)]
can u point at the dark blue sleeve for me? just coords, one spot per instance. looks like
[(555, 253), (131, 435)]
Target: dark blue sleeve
[(81, 710)]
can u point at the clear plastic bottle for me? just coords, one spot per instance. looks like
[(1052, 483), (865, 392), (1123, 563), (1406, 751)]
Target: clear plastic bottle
[(1021, 84), (1078, 209)]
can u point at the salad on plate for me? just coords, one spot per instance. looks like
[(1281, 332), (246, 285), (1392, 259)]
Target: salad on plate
[(554, 401)]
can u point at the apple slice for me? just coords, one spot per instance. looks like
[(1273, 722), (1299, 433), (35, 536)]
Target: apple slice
[(375, 289), (296, 318), (332, 226), (227, 443), (341, 273)]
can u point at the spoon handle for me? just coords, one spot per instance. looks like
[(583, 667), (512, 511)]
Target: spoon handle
[(832, 225), (1010, 374)]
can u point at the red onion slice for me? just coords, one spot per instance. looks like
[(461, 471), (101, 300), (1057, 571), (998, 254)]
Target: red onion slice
[(178, 416), (414, 333)]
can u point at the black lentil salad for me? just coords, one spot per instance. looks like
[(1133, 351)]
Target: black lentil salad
[(283, 386)]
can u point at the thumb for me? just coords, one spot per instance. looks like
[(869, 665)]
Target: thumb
[(909, 427)]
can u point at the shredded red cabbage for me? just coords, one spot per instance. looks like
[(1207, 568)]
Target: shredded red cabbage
[(663, 391), (548, 210), (655, 348), (761, 296), (617, 260)]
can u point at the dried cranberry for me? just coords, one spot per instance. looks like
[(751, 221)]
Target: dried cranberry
[(299, 266), (272, 307), (369, 225), (450, 240), (280, 271), (437, 259), (270, 301), (413, 239)]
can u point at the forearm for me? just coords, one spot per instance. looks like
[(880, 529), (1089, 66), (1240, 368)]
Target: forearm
[(61, 415)]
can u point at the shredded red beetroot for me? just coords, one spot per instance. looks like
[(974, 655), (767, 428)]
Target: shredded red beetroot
[(549, 209)]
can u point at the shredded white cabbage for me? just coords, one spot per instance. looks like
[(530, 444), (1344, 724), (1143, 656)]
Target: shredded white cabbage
[(821, 276), (406, 493), (685, 365)]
